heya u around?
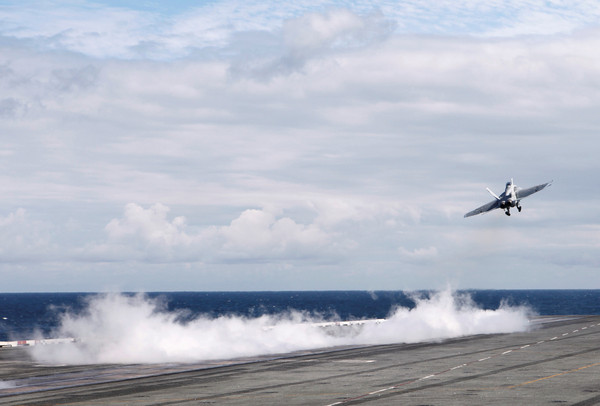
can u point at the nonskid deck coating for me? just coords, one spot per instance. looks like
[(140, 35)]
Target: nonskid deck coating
[(556, 362)]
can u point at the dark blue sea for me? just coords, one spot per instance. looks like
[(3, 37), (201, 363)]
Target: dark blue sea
[(23, 315)]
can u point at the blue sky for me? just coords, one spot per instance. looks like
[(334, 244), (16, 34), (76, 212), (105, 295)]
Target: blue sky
[(314, 145)]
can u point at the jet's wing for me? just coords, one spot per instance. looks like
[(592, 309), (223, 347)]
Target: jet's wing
[(486, 207), (521, 193)]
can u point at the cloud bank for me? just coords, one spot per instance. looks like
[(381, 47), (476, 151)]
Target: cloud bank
[(337, 145), (148, 234)]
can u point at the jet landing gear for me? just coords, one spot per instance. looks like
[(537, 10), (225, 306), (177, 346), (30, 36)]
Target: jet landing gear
[(507, 211)]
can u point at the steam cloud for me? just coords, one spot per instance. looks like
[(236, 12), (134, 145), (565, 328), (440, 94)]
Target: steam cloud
[(117, 328), (7, 385)]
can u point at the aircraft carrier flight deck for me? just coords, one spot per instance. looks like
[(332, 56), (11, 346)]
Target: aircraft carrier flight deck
[(556, 362)]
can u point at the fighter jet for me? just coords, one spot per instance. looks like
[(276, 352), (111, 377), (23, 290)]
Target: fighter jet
[(511, 197)]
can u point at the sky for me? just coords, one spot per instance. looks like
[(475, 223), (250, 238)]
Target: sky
[(307, 145)]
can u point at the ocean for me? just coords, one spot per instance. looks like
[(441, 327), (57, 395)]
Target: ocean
[(37, 315)]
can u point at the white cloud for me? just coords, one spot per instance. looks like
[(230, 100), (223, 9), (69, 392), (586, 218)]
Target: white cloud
[(336, 28), (370, 140), (419, 254), (288, 49), (149, 32), (148, 235), (23, 239), (260, 234), (87, 28), (150, 226)]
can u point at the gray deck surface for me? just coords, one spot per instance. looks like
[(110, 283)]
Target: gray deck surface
[(556, 363)]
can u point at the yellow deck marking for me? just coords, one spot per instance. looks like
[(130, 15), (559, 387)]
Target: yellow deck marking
[(554, 376)]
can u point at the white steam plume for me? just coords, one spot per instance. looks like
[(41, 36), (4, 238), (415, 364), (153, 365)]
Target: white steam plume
[(135, 329), (7, 385)]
